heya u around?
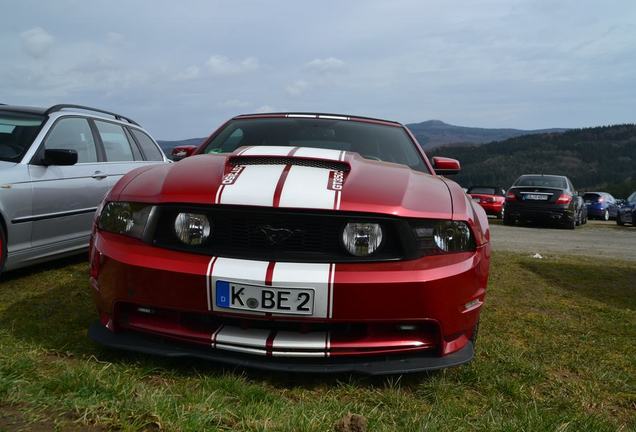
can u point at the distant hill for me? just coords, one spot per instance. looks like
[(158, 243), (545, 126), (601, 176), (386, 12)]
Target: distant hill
[(599, 158), (430, 134), (435, 133)]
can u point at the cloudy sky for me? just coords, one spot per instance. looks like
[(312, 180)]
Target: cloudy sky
[(181, 68)]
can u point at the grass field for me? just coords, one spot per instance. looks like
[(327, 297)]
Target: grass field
[(556, 352)]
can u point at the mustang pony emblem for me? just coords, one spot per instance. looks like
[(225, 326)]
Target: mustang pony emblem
[(277, 235)]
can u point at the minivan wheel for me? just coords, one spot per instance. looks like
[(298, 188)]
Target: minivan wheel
[(619, 221)]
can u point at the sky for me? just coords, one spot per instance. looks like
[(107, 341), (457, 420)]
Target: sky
[(181, 68)]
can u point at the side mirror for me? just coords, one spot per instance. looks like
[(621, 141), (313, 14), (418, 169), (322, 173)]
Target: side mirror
[(446, 166), (182, 152), (59, 157)]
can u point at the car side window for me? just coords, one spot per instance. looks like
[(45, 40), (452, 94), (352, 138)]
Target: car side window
[(73, 133), (148, 146), (116, 144)]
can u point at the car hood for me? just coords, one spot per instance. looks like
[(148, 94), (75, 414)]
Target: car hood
[(308, 178)]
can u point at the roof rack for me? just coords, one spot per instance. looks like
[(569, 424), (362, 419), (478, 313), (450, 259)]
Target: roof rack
[(319, 115), (60, 107)]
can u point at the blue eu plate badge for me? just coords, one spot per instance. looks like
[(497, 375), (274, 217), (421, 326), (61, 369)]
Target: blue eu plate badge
[(223, 293)]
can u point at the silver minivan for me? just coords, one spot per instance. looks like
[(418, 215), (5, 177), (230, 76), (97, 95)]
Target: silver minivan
[(56, 166)]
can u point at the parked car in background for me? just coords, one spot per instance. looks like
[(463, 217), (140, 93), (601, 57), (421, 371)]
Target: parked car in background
[(297, 242), (56, 166), (627, 212), (600, 205), (491, 198), (547, 198)]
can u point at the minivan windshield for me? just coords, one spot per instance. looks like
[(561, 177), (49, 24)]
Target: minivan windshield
[(17, 132), (372, 141), (542, 181)]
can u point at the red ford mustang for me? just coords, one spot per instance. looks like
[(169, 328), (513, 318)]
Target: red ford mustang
[(297, 242)]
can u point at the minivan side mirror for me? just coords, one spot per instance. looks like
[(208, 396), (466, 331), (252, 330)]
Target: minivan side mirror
[(445, 166), (62, 157), (181, 152)]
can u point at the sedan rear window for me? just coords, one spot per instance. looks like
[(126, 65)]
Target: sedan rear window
[(17, 132), (482, 190), (371, 141), (542, 181), (591, 197)]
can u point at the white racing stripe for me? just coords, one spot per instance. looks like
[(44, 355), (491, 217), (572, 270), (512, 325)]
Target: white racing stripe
[(255, 185), (290, 341), (307, 187), (249, 338), (267, 151), (310, 152)]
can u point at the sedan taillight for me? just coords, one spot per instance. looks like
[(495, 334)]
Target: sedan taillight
[(564, 199), (510, 196)]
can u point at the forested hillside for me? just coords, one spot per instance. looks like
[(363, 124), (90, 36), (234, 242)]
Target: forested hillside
[(599, 158)]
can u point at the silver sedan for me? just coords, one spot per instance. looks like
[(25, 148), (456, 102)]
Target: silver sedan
[(56, 166)]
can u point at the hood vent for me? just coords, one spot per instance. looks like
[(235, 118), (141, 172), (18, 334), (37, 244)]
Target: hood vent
[(284, 160)]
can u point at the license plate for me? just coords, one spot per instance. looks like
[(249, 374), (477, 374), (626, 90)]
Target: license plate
[(293, 301), (536, 197)]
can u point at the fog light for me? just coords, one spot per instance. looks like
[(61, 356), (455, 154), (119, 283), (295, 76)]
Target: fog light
[(362, 239), (192, 228)]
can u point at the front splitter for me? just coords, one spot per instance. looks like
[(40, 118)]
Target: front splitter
[(380, 365)]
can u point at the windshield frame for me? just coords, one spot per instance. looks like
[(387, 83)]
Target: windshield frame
[(27, 116), (426, 164)]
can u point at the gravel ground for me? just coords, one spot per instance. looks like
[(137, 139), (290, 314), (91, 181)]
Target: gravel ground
[(595, 239)]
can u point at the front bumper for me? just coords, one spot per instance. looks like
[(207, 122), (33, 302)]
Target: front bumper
[(425, 309), (379, 365)]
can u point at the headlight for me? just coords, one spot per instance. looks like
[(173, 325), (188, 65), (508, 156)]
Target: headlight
[(443, 236), (192, 228), (125, 218), (362, 239)]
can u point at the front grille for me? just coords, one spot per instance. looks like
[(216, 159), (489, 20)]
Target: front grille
[(283, 160), (298, 236)]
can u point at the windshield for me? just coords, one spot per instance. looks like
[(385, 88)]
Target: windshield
[(632, 198), (371, 141), (17, 132), (542, 181), (482, 190)]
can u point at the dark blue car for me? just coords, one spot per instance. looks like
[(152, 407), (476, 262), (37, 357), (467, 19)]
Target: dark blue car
[(600, 205), (627, 212)]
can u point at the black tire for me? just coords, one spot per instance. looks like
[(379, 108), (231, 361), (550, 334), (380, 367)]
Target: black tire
[(584, 221), (507, 220), (619, 221), (578, 219), (570, 223)]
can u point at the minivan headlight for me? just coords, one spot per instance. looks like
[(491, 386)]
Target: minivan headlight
[(125, 218)]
